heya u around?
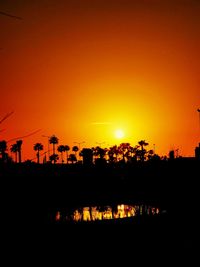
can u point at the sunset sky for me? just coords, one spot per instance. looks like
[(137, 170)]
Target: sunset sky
[(82, 69)]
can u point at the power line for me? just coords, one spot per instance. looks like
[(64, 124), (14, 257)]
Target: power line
[(9, 15), (6, 116), (21, 137), (48, 144)]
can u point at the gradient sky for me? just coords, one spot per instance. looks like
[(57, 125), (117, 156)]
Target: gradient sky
[(81, 69)]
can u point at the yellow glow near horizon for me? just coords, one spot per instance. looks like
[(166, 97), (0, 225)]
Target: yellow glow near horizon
[(126, 67), (119, 134)]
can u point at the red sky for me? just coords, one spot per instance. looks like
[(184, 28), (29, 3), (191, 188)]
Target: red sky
[(83, 69)]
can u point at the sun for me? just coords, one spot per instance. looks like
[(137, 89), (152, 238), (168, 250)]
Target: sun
[(119, 134)]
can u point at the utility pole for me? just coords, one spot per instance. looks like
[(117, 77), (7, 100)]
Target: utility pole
[(198, 110)]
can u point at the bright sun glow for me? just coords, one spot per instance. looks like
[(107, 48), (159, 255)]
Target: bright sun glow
[(119, 134)]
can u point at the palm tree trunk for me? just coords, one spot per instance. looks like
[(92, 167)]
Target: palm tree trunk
[(38, 157), (20, 156), (3, 156), (54, 153)]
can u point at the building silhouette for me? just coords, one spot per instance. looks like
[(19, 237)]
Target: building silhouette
[(197, 152)]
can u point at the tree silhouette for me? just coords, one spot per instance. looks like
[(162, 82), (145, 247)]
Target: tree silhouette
[(113, 153), (87, 155), (38, 147), (67, 148), (19, 149), (72, 158), (135, 153), (3, 148), (53, 140), (75, 149), (142, 143), (124, 149), (99, 152), (150, 154), (61, 149), (54, 158), (14, 149)]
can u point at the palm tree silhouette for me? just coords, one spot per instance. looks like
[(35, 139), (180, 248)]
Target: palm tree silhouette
[(14, 149), (54, 158), (72, 158), (38, 147), (53, 140), (124, 149), (142, 143), (87, 155), (75, 149), (67, 148), (114, 152), (19, 149), (3, 148), (61, 149)]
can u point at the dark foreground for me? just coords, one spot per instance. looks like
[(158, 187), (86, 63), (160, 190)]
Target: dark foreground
[(31, 195), (145, 240)]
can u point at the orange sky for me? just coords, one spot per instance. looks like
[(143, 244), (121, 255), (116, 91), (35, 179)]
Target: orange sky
[(82, 69)]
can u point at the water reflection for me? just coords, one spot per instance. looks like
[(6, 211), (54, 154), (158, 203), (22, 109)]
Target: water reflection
[(105, 212)]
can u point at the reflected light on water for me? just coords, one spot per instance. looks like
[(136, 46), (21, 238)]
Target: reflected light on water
[(105, 212)]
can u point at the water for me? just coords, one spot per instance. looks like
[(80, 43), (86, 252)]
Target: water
[(104, 212)]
